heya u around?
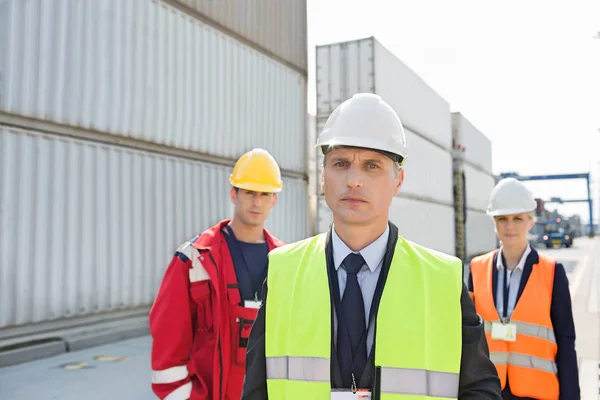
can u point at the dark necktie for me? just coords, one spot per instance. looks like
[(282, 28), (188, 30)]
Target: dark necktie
[(353, 314)]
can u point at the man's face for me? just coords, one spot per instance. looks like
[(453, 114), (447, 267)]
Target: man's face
[(359, 184), (252, 208)]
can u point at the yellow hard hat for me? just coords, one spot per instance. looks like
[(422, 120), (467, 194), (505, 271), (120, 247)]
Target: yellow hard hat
[(257, 171)]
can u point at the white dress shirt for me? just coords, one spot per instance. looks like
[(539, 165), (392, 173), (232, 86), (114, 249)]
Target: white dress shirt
[(513, 279), (367, 276)]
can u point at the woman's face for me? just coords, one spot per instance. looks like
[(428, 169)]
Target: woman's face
[(512, 229)]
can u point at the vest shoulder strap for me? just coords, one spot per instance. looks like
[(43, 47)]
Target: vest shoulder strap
[(411, 247), (547, 261)]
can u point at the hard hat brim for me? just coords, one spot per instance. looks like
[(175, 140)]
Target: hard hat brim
[(255, 187), (508, 211), (364, 143)]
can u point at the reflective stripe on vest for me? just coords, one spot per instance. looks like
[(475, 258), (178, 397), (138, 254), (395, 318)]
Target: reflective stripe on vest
[(419, 382), (529, 362), (298, 323), (306, 369), (523, 360), (523, 328), (393, 380)]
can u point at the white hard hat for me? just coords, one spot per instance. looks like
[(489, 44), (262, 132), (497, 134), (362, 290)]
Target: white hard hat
[(365, 120), (510, 196)]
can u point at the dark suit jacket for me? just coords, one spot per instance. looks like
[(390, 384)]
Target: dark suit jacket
[(561, 316)]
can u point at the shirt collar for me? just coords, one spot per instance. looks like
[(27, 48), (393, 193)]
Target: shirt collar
[(520, 265), (373, 253)]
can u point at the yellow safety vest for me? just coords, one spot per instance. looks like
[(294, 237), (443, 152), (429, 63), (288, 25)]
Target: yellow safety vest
[(419, 334)]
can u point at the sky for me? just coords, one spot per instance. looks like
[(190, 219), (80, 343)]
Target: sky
[(525, 73)]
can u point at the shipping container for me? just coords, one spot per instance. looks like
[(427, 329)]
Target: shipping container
[(478, 148), (320, 124), (365, 65), (89, 227), (479, 186), (142, 69), (277, 26), (481, 236), (427, 224), (314, 178), (428, 172)]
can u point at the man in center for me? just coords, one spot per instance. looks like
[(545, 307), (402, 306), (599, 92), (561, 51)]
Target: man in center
[(359, 311)]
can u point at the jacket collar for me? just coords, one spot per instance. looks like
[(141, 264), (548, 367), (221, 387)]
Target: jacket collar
[(532, 259), (213, 238)]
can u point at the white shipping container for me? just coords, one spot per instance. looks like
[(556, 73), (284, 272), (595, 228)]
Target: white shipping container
[(87, 227), (428, 172), (324, 215), (320, 124), (427, 224), (142, 69), (343, 69), (481, 236), (314, 180), (478, 147), (479, 186), (278, 26)]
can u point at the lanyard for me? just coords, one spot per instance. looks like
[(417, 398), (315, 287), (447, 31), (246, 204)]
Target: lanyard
[(245, 280), (505, 291)]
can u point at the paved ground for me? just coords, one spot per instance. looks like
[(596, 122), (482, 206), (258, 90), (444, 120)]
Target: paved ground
[(111, 372), (122, 370), (585, 289)]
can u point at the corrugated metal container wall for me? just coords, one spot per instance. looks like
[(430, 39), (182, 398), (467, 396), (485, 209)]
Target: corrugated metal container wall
[(479, 182), (324, 215), (419, 107), (428, 224), (278, 26), (428, 174), (478, 147), (144, 70), (481, 236), (320, 124), (343, 69), (314, 180), (88, 227), (479, 186)]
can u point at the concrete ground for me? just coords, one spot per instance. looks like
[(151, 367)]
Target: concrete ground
[(122, 370)]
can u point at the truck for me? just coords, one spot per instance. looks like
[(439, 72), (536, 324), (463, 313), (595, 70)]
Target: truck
[(556, 233)]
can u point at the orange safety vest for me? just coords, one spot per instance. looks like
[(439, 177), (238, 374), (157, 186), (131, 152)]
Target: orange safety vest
[(528, 362)]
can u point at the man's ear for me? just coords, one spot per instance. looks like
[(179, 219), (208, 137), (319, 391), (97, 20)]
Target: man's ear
[(400, 180)]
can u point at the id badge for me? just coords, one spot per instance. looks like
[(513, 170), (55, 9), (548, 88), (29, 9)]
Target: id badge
[(252, 304), (506, 332), (348, 395)]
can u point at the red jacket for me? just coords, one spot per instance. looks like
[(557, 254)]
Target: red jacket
[(198, 327)]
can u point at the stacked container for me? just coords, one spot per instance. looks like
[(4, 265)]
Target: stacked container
[(423, 211), (474, 164), (120, 122)]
